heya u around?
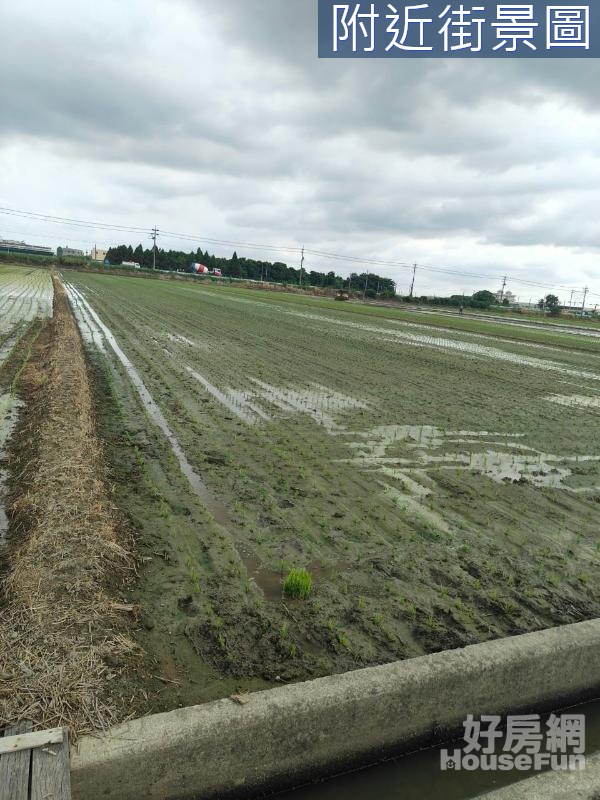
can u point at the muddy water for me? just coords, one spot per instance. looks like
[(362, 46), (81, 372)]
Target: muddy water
[(271, 581), (418, 776)]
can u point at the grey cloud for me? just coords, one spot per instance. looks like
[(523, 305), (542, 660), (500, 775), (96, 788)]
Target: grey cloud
[(232, 109)]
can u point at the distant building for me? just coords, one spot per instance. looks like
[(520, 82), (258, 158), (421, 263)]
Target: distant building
[(98, 254), (69, 251), (24, 249), (508, 296)]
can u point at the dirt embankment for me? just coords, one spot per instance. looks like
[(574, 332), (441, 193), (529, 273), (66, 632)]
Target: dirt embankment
[(60, 625)]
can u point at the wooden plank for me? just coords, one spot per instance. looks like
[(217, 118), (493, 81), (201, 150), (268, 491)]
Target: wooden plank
[(28, 741), (14, 768), (50, 771)]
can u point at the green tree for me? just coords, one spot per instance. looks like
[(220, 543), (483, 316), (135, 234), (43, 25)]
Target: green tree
[(483, 299), (551, 303), (235, 268)]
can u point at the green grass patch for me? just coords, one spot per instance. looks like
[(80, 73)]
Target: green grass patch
[(298, 583)]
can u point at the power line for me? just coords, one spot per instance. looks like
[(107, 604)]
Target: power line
[(42, 235), (12, 212), (380, 263)]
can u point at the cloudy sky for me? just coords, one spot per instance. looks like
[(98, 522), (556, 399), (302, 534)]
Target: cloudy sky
[(216, 118)]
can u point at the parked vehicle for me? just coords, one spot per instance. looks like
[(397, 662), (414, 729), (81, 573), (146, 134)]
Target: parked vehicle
[(130, 265), (217, 273)]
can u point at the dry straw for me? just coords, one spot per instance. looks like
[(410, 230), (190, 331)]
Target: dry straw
[(59, 627)]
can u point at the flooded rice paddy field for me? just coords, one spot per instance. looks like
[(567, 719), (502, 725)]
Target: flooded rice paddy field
[(25, 298), (25, 294), (442, 486)]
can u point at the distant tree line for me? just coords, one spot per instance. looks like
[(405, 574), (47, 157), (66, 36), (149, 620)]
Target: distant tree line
[(483, 299), (251, 269)]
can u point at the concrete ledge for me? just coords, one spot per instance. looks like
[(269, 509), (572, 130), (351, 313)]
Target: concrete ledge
[(555, 785), (309, 729)]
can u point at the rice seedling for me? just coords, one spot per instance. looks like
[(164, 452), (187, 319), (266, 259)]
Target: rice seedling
[(298, 583)]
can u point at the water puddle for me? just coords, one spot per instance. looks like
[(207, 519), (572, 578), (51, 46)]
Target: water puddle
[(91, 332), (233, 401), (8, 344), (253, 405), (176, 338), (575, 400), (405, 458), (408, 492), (318, 402), (271, 581)]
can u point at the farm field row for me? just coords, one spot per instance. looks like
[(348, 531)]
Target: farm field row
[(441, 486), (25, 298), (25, 294)]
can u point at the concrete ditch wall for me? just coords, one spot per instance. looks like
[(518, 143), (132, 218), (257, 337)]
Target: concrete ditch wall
[(555, 785), (282, 736)]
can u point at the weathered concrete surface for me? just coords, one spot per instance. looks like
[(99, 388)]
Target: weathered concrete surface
[(555, 785), (308, 729)]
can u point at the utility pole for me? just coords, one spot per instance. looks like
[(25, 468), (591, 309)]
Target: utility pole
[(571, 300), (502, 290), (301, 265), (585, 291), (412, 286), (154, 235), (366, 284)]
